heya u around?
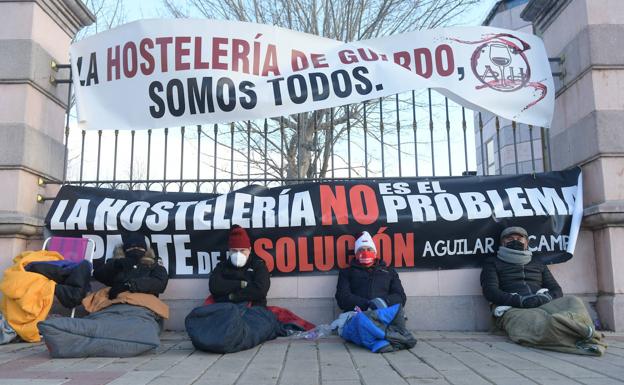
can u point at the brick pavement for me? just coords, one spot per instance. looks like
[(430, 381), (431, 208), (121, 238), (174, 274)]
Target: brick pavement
[(438, 358)]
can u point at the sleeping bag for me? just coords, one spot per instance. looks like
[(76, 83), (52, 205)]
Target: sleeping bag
[(228, 327), (380, 331), (117, 331)]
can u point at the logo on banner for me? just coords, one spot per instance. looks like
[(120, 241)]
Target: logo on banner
[(501, 66)]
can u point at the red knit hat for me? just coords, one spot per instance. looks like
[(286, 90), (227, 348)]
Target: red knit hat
[(238, 238)]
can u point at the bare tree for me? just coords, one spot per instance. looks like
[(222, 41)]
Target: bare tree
[(306, 140)]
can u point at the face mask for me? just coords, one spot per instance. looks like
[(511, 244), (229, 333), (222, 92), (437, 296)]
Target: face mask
[(135, 253), (366, 257), (515, 245), (238, 259)]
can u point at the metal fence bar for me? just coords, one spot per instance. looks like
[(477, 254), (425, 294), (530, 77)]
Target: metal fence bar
[(67, 115), (281, 146), (115, 156), (465, 141), (498, 147), (182, 135), (431, 133), (415, 128), (298, 145), (165, 157), (132, 133), (398, 128), (348, 140), (515, 144), (149, 157), (331, 139), (214, 158), (249, 149), (82, 148), (365, 142), (532, 151), (381, 132), (99, 155), (448, 135), (266, 154), (199, 132), (232, 155), (483, 161)]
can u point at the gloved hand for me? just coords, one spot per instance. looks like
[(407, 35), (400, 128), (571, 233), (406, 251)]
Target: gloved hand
[(516, 300), (377, 303), (118, 288), (532, 301)]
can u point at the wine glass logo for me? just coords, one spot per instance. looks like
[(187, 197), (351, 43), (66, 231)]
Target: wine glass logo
[(501, 57)]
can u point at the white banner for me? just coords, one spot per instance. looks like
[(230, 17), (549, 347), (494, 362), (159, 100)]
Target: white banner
[(164, 73)]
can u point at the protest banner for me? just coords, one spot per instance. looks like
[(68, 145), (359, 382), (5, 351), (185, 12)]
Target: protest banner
[(416, 223), (167, 73)]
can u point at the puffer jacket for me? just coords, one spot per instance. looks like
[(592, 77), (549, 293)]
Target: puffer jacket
[(358, 284), (142, 277), (500, 279), (225, 282)]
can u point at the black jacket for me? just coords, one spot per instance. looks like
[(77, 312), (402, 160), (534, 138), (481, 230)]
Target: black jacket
[(358, 284), (500, 279), (141, 277), (226, 279)]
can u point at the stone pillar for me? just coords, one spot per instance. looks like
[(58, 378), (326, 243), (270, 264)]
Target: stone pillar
[(33, 34), (587, 129)]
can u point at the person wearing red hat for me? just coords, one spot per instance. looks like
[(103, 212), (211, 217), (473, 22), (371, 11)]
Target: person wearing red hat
[(242, 277), (368, 282)]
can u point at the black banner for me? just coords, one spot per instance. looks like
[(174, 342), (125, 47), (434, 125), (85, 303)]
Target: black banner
[(416, 223)]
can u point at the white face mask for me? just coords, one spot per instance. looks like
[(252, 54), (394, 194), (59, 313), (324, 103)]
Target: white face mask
[(238, 259)]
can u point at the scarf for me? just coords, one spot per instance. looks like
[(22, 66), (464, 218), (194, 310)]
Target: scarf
[(517, 257)]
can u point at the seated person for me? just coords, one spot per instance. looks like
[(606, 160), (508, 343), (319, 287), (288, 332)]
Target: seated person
[(529, 304), (368, 282), (136, 270), (242, 277), (126, 318)]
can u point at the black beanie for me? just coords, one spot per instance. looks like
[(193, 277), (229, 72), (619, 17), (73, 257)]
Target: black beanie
[(133, 239)]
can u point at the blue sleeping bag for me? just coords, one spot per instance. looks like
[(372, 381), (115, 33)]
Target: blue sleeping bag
[(381, 330)]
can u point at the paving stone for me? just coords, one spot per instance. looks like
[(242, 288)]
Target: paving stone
[(14, 381), (410, 366), (187, 370), (137, 377), (336, 363), (227, 368), (301, 365), (266, 366), (373, 368)]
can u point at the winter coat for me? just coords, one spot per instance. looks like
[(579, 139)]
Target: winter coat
[(226, 279), (27, 297), (141, 277), (73, 279), (358, 284), (99, 300), (500, 279)]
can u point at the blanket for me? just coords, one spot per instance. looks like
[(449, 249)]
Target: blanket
[(380, 331), (117, 331), (226, 327), (562, 325)]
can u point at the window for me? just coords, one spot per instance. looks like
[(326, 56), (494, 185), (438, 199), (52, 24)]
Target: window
[(489, 158)]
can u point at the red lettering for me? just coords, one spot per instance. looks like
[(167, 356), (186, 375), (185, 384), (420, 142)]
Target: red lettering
[(403, 59), (450, 61), (130, 53), (419, 55), (240, 53), (270, 61), (199, 64), (344, 243), (318, 60), (365, 211), (298, 60), (347, 56), (163, 42), (333, 204), (324, 253), (285, 255), (218, 53), (181, 52), (113, 62), (404, 250), (260, 249), (373, 56), (147, 67), (304, 263)]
